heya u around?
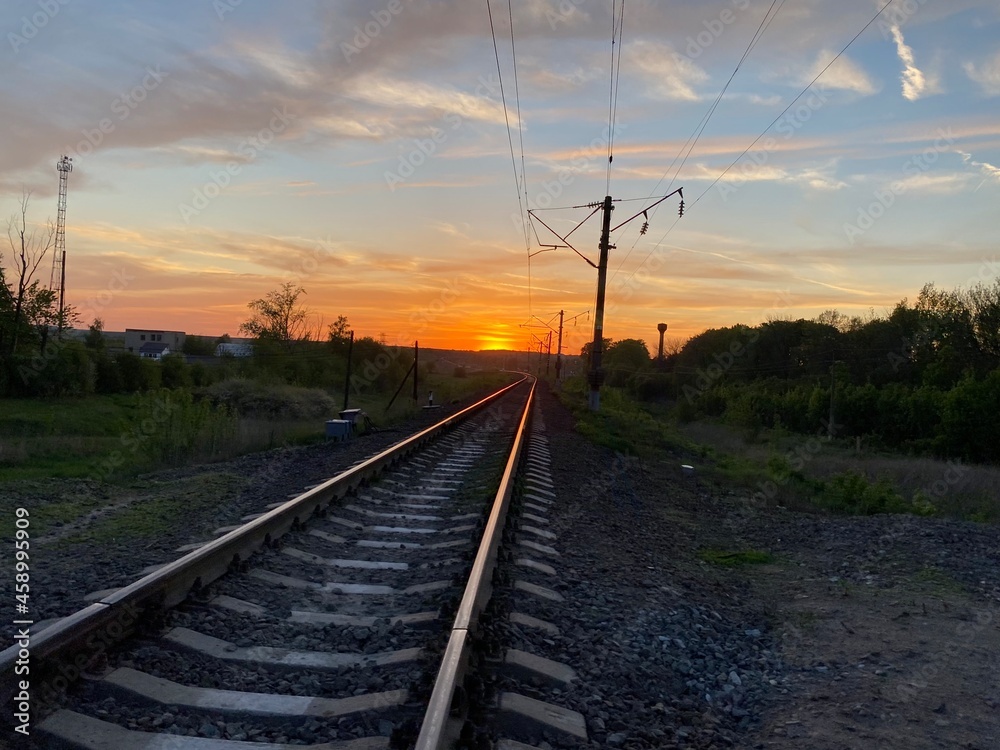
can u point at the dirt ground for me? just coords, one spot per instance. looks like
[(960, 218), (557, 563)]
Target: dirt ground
[(914, 665), (885, 646), (888, 627)]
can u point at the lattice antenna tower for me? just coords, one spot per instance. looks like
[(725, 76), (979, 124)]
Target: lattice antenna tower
[(57, 282)]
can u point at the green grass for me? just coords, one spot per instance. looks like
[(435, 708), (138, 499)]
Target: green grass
[(938, 579), (798, 472), (116, 437), (152, 514), (623, 425), (60, 437), (74, 500), (735, 558)]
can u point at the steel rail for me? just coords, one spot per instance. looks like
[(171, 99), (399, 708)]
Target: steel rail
[(440, 728), (74, 641)]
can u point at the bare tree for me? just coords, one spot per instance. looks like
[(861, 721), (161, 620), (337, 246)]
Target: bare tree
[(278, 316), (673, 345), (28, 247)]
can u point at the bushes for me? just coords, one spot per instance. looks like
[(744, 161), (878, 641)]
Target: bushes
[(174, 372), (969, 420), (851, 492), (250, 398)]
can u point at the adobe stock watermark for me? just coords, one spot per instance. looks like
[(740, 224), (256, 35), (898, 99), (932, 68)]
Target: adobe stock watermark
[(487, 88), (928, 334), (564, 12), (896, 15), (885, 199), (135, 437), (965, 636), (97, 643), (726, 359), (372, 368), (423, 149), (580, 162), (249, 148), (223, 8), (951, 478), (119, 281), (797, 458), (123, 106), (786, 126), (714, 28), (310, 264), (724, 362), (366, 33), (33, 24)]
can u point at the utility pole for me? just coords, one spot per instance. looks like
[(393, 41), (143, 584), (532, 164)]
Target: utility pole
[(596, 377), (416, 368), (559, 348), (548, 354), (347, 378), (57, 281), (833, 391)]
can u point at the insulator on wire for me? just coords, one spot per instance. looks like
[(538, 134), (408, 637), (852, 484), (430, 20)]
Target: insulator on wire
[(645, 226), (680, 211)]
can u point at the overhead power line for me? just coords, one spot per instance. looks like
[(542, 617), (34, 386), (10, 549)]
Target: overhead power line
[(519, 185), (616, 68), (764, 131), (688, 148)]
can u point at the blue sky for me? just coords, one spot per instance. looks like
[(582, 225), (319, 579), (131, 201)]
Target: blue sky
[(360, 149)]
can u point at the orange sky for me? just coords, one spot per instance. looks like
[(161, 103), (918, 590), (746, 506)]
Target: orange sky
[(219, 155)]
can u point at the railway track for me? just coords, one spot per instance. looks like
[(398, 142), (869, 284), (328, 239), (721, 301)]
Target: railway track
[(357, 615)]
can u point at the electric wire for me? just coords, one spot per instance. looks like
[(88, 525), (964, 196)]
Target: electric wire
[(510, 139), (613, 88), (520, 128), (762, 133), (688, 148)]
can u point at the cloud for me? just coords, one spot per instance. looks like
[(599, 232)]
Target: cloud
[(392, 93), (991, 171), (668, 74), (987, 75), (935, 184), (915, 84), (844, 74)]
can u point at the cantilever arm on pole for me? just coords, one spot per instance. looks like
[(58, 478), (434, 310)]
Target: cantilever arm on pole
[(679, 190), (570, 246)]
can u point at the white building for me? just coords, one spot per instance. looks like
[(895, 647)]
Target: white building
[(234, 349)]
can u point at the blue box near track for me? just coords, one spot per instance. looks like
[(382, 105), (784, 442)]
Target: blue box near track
[(338, 429)]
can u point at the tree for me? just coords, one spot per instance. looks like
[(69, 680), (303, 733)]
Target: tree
[(624, 359), (202, 346), (23, 295), (339, 330), (95, 336), (174, 372), (339, 336), (278, 316), (589, 346)]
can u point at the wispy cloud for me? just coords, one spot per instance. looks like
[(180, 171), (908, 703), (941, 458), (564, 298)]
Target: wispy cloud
[(915, 84), (991, 171), (986, 75), (668, 75), (935, 184), (844, 74)]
